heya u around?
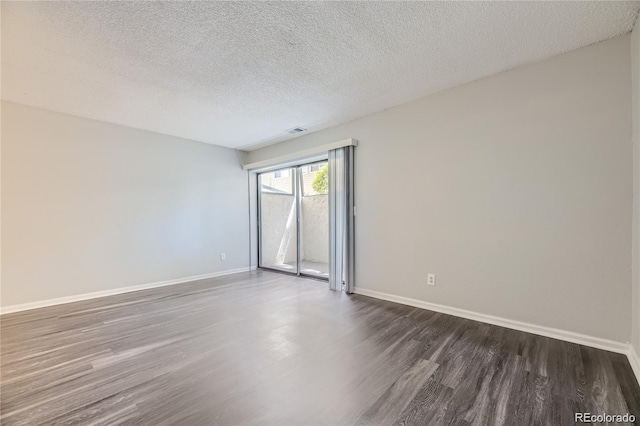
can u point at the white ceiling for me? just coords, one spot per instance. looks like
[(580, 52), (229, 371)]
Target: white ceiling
[(240, 74)]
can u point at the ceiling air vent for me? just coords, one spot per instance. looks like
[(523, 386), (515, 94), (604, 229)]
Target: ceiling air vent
[(296, 130)]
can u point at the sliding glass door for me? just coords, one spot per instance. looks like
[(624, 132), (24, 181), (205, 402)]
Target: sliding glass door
[(278, 205), (293, 220)]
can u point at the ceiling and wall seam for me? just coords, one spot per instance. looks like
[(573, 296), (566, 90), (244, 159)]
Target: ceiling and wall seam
[(240, 74)]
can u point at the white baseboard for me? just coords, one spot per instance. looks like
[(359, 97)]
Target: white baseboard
[(634, 360), (569, 336), (111, 292)]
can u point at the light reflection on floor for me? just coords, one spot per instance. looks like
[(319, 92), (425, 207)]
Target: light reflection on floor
[(308, 268)]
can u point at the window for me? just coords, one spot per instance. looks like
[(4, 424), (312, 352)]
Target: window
[(281, 173)]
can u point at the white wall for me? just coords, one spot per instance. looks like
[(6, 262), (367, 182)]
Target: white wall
[(516, 190), (89, 206), (635, 55)]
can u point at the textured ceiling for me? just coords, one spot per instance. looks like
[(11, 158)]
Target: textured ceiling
[(240, 74)]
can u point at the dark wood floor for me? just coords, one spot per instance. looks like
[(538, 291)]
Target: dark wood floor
[(265, 348)]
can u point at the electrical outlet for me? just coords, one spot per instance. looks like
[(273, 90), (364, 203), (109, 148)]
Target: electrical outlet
[(223, 256), (431, 279)]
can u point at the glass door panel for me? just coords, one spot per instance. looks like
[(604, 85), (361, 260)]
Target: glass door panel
[(314, 219), (278, 210)]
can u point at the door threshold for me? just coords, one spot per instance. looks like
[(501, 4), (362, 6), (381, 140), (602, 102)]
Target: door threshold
[(293, 274)]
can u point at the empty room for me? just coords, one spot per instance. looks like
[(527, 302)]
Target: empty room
[(320, 213)]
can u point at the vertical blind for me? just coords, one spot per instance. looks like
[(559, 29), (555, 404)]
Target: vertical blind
[(341, 220)]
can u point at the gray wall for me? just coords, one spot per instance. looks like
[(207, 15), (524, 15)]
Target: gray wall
[(89, 206), (516, 190), (635, 55)]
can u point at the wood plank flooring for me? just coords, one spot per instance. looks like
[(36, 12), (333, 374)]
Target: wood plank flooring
[(265, 348)]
